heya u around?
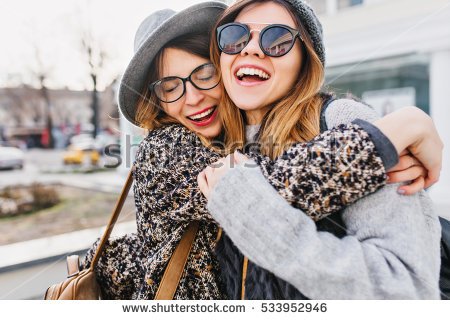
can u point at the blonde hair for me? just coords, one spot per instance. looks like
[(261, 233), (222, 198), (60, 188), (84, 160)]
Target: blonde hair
[(294, 118)]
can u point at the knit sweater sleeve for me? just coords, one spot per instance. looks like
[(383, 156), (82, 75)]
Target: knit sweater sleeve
[(126, 250), (333, 170), (391, 250), (167, 164)]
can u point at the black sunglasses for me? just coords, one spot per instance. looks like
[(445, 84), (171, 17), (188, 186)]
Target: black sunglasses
[(275, 40), (171, 89)]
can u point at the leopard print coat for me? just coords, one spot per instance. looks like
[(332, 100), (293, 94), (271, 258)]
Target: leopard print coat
[(320, 177)]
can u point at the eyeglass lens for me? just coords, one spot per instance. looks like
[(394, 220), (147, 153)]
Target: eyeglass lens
[(171, 89)]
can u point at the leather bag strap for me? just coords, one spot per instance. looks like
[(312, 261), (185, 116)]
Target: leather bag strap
[(113, 219), (177, 262), (174, 270)]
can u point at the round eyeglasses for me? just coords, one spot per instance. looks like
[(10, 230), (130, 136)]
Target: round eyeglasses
[(171, 89), (275, 40)]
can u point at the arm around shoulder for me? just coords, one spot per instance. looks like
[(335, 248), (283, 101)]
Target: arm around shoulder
[(371, 262), (166, 168)]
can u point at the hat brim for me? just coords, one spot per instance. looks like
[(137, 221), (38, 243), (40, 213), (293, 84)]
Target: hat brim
[(197, 18)]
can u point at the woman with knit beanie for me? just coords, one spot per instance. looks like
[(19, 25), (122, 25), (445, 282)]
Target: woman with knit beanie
[(384, 246)]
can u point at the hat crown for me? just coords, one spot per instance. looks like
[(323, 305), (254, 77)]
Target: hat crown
[(150, 25), (312, 24)]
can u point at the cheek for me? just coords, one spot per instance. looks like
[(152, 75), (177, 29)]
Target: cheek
[(216, 93), (173, 109), (226, 62), (291, 68)]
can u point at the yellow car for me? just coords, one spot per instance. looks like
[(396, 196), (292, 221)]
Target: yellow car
[(76, 156)]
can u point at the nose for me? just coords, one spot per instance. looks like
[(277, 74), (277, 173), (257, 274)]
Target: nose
[(193, 95), (252, 47)]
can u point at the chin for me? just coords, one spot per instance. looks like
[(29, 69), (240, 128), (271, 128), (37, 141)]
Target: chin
[(248, 102), (249, 105), (210, 132)]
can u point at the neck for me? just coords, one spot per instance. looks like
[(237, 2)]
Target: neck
[(255, 116)]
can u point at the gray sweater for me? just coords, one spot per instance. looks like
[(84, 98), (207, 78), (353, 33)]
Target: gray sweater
[(391, 250)]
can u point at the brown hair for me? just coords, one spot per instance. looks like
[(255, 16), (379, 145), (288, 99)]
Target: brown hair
[(294, 118)]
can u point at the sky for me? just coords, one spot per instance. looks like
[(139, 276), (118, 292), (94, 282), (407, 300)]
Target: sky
[(52, 30)]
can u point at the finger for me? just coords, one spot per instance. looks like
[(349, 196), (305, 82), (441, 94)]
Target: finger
[(416, 186), (409, 161), (219, 163), (209, 171), (404, 152), (407, 175), (432, 177), (405, 162), (203, 183), (239, 157)]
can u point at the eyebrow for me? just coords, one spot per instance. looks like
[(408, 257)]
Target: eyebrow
[(266, 24)]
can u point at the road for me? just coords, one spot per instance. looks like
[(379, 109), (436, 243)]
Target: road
[(35, 160), (30, 279), (39, 162)]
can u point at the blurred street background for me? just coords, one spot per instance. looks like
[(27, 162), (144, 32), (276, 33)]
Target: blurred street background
[(65, 151)]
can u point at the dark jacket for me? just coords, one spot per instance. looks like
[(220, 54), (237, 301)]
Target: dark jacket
[(261, 284)]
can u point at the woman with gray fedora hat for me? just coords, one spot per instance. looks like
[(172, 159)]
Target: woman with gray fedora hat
[(169, 80), (182, 89)]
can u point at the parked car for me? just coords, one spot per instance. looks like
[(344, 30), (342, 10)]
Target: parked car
[(11, 158), (85, 141), (77, 156)]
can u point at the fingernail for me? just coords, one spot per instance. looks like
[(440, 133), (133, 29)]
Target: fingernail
[(401, 191)]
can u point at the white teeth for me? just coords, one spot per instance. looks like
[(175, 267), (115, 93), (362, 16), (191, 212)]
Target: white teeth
[(201, 115), (252, 72)]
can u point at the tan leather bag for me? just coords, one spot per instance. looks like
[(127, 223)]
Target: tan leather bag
[(82, 285)]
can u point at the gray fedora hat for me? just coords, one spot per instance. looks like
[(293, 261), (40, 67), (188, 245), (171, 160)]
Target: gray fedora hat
[(154, 32)]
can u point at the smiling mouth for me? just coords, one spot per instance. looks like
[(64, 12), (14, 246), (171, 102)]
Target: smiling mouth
[(251, 75), (204, 116)]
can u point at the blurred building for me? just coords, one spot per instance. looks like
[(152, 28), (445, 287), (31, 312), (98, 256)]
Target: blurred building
[(392, 53), (23, 111)]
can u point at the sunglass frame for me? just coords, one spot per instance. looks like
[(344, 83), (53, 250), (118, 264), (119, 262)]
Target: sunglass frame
[(294, 32)]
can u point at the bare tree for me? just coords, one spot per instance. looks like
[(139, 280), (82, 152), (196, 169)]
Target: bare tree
[(15, 105), (42, 73), (96, 56)]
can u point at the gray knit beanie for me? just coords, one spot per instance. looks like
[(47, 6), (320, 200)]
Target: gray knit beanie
[(312, 25)]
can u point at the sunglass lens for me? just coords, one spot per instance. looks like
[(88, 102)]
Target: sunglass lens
[(232, 39), (169, 89), (276, 41)]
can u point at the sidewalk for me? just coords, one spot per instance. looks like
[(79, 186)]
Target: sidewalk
[(21, 254), (109, 181), (28, 252)]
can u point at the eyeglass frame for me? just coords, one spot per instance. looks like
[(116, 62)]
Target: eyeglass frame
[(294, 32), (183, 80)]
